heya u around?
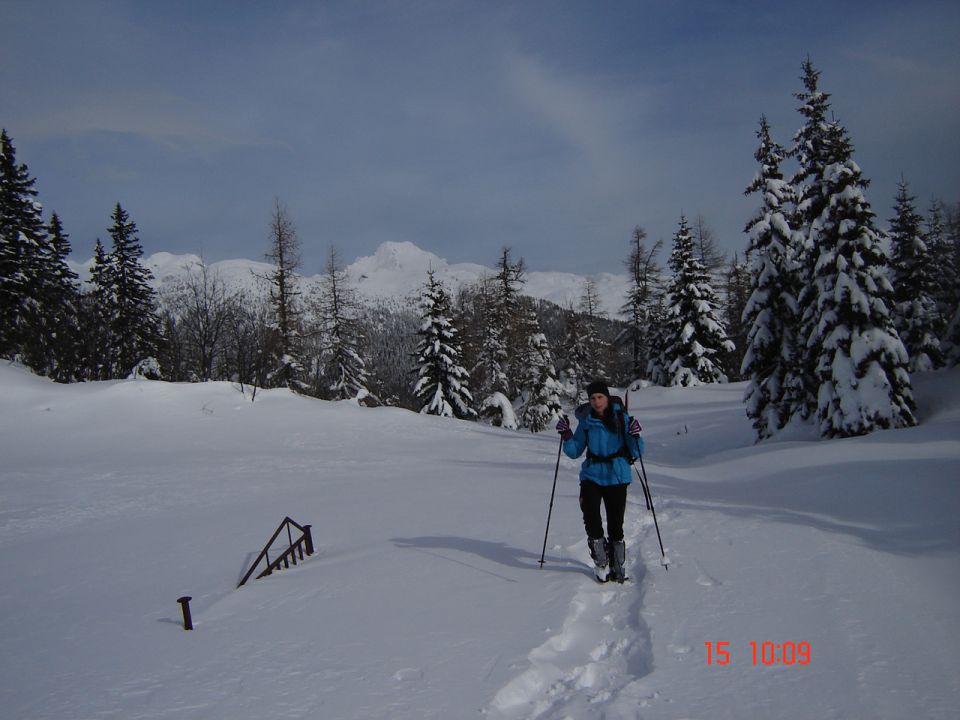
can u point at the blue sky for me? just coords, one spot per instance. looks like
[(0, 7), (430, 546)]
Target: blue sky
[(550, 127)]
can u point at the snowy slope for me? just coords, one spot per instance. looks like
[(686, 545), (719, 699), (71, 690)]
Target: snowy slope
[(396, 272), (426, 600)]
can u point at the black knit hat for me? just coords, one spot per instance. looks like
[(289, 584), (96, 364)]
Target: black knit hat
[(598, 386)]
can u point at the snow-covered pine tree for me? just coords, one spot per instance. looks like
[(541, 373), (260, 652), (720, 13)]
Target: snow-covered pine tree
[(770, 313), (945, 256), (38, 332), (810, 150), (95, 308), (951, 340), (442, 385), (861, 363), (134, 323), (541, 388), (287, 346), (941, 255), (542, 406), (659, 340), (61, 306), (952, 231), (643, 273), (21, 237), (737, 291), (44, 324), (497, 335), (695, 335), (343, 371), (915, 308), (575, 373)]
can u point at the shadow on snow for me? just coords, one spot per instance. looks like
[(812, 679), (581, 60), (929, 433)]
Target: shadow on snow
[(496, 552)]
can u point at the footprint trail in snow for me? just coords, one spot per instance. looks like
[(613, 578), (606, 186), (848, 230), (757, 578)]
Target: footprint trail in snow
[(603, 646)]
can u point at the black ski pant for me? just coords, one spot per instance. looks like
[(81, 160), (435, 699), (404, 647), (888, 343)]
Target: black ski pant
[(614, 499)]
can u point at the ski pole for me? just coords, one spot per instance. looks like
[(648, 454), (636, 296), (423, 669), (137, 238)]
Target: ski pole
[(646, 487), (550, 511), (646, 490)]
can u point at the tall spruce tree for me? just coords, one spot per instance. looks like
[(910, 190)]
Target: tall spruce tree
[(736, 294), (46, 327), (132, 309), (539, 387), (21, 240), (942, 254), (659, 338), (287, 342), (342, 367), (542, 406), (811, 151), (61, 306), (943, 240), (95, 316), (950, 343), (501, 334), (771, 311), (442, 385), (695, 334), (914, 286), (861, 363)]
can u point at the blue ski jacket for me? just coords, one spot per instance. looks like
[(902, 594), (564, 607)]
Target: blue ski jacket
[(592, 434)]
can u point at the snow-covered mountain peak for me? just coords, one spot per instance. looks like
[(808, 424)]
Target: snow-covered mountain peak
[(164, 264), (395, 271), (397, 256)]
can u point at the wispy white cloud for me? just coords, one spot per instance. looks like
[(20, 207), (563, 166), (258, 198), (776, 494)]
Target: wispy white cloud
[(576, 113)]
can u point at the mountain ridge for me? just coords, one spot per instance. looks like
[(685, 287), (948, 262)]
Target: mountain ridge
[(396, 271)]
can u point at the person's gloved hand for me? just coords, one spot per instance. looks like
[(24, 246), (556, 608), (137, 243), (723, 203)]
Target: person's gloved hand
[(634, 428), (563, 427)]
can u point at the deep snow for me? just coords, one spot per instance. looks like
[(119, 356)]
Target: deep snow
[(425, 598)]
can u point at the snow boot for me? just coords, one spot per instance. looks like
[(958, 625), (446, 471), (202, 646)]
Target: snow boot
[(617, 552), (598, 551)]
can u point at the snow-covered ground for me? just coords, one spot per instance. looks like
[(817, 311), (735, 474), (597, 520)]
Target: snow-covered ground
[(425, 598)]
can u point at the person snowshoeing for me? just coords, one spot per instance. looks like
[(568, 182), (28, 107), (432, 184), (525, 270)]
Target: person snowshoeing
[(611, 439)]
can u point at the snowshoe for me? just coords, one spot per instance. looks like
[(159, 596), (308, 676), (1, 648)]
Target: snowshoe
[(598, 551), (617, 552)]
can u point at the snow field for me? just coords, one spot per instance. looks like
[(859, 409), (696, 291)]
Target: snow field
[(426, 599)]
